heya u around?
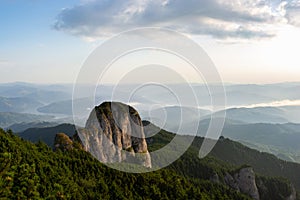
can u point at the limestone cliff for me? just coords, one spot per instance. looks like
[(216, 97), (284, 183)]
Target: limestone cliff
[(243, 181), (114, 133)]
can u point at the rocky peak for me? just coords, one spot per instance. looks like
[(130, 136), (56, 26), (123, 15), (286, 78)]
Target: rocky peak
[(62, 142), (114, 133)]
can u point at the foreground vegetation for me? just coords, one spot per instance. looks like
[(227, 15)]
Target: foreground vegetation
[(35, 171)]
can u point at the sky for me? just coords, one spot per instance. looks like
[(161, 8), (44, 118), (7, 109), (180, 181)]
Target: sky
[(249, 41)]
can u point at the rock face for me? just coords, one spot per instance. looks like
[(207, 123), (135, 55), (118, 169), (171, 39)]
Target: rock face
[(229, 180), (63, 142), (243, 181), (293, 195), (114, 133), (215, 178)]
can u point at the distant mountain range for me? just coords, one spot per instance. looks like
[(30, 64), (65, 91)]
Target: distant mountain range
[(253, 112), (266, 129), (20, 127), (27, 98), (40, 93), (19, 104), (58, 98), (65, 107), (47, 134), (9, 118), (280, 114), (173, 117), (279, 139)]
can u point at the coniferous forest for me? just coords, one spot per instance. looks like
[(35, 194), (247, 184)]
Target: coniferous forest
[(35, 171)]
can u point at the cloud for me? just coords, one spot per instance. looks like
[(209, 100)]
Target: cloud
[(293, 12), (281, 103), (217, 18)]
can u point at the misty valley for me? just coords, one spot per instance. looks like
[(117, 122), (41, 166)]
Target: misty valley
[(45, 155)]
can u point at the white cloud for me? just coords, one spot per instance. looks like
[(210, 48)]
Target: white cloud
[(281, 103), (217, 18), (293, 12)]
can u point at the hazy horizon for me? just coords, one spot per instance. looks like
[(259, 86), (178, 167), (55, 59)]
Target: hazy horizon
[(112, 84)]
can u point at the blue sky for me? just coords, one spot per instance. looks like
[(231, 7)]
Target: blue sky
[(249, 41), (31, 49)]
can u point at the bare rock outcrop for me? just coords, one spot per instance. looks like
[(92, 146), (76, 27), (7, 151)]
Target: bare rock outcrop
[(231, 182), (114, 133), (293, 195), (62, 142), (243, 181)]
